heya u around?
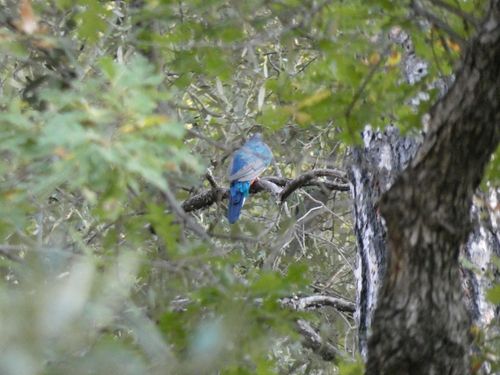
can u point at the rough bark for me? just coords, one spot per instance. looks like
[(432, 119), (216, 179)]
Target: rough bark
[(483, 244), (420, 324), (374, 168)]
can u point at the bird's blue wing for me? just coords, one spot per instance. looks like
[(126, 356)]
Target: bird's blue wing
[(249, 172), (250, 161), (247, 164)]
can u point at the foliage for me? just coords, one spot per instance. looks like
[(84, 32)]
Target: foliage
[(108, 108)]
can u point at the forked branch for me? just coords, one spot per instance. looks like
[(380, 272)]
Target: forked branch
[(280, 187)]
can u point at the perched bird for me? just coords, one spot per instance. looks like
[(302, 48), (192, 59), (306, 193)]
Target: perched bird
[(247, 163)]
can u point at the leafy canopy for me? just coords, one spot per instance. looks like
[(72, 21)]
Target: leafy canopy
[(109, 108)]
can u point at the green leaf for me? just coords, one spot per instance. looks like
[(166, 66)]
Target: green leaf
[(164, 225), (274, 118), (296, 274), (493, 294), (108, 67), (64, 4), (173, 325), (13, 48), (351, 368), (268, 283), (91, 21)]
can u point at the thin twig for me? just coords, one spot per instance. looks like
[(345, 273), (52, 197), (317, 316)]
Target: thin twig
[(305, 65), (191, 224), (209, 140), (439, 23), (203, 109), (234, 237), (211, 180), (313, 340), (327, 209), (8, 252), (456, 11), (308, 176)]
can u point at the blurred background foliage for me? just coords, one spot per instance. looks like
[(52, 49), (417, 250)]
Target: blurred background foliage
[(111, 114)]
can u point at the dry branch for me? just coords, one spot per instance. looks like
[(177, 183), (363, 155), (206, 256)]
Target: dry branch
[(317, 301), (10, 252), (278, 186), (307, 177), (313, 340)]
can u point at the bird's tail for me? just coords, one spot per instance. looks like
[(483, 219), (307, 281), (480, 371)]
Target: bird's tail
[(238, 191)]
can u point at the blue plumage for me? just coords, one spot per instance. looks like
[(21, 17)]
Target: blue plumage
[(238, 192), (247, 164)]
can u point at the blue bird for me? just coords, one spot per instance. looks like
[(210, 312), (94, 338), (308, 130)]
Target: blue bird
[(247, 164)]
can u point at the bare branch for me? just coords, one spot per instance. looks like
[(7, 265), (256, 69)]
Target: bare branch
[(313, 340), (272, 184), (181, 213), (205, 199), (8, 251), (305, 65), (318, 301), (208, 139), (302, 180), (210, 178), (269, 186)]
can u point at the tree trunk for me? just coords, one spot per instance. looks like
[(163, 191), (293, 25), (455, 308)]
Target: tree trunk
[(373, 170), (420, 324)]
